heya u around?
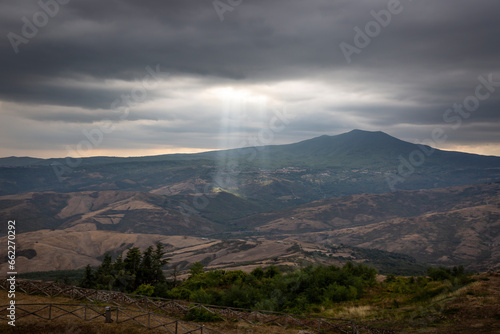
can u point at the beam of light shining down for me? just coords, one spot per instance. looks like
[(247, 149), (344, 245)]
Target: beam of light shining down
[(243, 114)]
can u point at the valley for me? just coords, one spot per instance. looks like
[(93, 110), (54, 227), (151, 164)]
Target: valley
[(324, 200)]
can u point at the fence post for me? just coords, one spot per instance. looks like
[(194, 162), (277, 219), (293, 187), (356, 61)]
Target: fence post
[(176, 326), (50, 311), (108, 315), (202, 328), (354, 328)]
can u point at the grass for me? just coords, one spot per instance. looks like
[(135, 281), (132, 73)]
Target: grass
[(73, 325), (438, 307), (355, 312), (63, 325)]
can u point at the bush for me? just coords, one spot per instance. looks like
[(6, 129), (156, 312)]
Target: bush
[(456, 275), (201, 315), (145, 290), (439, 274), (258, 273)]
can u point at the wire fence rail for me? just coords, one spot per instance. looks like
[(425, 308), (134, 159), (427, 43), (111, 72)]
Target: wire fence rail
[(86, 312), (180, 308)]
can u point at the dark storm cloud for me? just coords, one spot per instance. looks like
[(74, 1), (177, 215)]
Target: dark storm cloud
[(426, 59)]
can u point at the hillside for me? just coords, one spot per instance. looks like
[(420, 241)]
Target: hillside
[(448, 226), (69, 249), (350, 163), (119, 211), (398, 304), (440, 226)]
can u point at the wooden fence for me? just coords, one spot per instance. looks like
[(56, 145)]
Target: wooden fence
[(179, 308), (86, 312)]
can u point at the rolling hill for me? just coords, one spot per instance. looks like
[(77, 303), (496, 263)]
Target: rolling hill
[(329, 191), (448, 226)]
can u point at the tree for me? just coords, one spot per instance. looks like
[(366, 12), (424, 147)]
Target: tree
[(174, 274), (106, 265), (131, 265), (118, 265), (88, 279), (145, 272), (158, 263), (195, 269), (128, 274), (271, 272), (439, 274), (132, 261), (258, 273), (103, 276), (122, 279)]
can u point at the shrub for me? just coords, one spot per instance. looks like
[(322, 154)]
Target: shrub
[(145, 290), (201, 315)]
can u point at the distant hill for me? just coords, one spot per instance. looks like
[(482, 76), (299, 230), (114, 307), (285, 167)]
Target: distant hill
[(356, 149), (350, 163), (121, 211), (449, 226), (69, 249)]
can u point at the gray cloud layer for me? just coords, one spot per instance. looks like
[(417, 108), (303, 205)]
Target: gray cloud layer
[(89, 53)]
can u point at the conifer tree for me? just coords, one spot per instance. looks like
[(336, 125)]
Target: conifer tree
[(88, 279), (158, 263)]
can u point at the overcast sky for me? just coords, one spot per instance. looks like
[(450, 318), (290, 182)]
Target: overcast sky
[(154, 77)]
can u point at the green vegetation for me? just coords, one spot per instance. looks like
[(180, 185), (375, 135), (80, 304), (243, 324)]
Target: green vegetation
[(408, 304), (139, 273), (305, 290), (270, 289), (350, 291), (423, 288), (201, 315), (390, 262)]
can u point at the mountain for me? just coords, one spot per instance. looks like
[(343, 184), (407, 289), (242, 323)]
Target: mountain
[(327, 166), (355, 149)]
